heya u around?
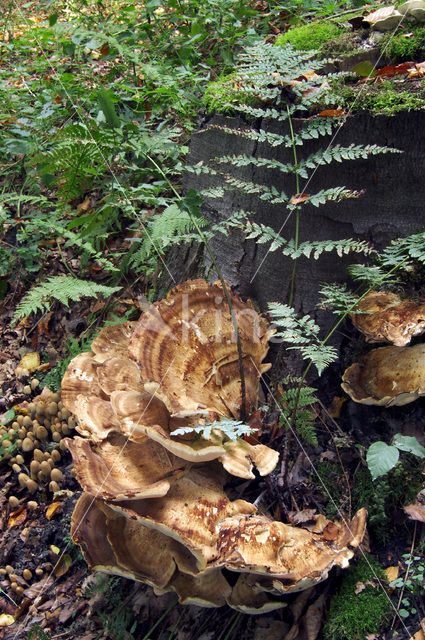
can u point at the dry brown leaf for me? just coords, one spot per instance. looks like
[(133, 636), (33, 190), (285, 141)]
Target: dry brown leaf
[(52, 509), (84, 205), (62, 565), (361, 586), (416, 511), (331, 531), (419, 635), (17, 517), (336, 405), (391, 573), (331, 113), (313, 618), (299, 198)]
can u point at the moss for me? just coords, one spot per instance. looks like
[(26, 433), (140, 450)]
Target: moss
[(387, 494), (404, 47), (343, 44), (352, 616), (383, 99), (221, 94), (310, 36)]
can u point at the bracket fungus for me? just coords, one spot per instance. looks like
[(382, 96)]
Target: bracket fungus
[(383, 316), (387, 376), (154, 507)]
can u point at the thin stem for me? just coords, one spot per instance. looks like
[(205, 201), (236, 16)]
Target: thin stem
[(406, 575), (148, 635), (297, 211), (243, 412)]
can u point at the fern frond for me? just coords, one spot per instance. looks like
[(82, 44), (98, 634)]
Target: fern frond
[(61, 288), (402, 251), (296, 404), (273, 139), (246, 161), (338, 153), (303, 334), (373, 275), (269, 194), (263, 234), (320, 355), (232, 429), (334, 194), (337, 298)]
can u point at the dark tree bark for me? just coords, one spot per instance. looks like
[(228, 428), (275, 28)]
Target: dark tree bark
[(392, 205)]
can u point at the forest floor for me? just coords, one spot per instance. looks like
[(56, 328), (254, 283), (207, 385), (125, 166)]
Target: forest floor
[(59, 219)]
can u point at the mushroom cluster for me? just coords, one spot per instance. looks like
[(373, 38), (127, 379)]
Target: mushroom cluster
[(394, 375), (154, 507), (38, 432)]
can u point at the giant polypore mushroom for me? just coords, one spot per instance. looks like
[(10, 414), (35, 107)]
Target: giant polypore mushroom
[(155, 508), (387, 376), (383, 316)]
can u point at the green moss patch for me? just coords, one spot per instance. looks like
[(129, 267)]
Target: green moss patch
[(387, 98), (310, 36), (223, 93), (354, 615), (404, 46)]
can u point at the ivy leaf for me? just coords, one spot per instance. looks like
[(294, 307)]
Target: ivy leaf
[(381, 458), (409, 444)]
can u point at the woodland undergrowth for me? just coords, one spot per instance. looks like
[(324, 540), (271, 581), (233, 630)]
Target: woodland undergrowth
[(98, 104)]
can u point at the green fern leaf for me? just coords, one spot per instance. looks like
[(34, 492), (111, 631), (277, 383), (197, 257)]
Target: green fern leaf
[(61, 288)]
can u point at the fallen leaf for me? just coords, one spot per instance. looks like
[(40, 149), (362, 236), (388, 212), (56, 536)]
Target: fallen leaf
[(320, 524), (17, 517), (395, 70), (84, 206), (360, 586), (6, 620), (415, 511), (44, 367), (306, 515), (31, 361), (313, 618), (104, 49), (310, 75), (419, 635), (364, 69), (254, 422), (331, 113), (62, 565), (299, 198), (55, 549), (391, 573), (331, 532), (336, 406), (417, 71), (52, 509), (40, 587)]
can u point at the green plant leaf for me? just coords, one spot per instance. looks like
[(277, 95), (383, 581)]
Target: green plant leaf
[(8, 416), (381, 458), (107, 105), (409, 444), (364, 69)]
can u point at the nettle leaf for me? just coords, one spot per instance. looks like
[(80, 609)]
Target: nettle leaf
[(409, 444), (381, 458)]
